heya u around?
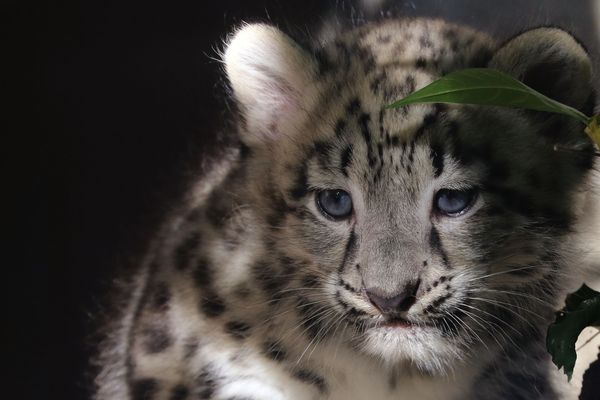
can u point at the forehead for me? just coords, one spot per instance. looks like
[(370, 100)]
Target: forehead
[(380, 63), (366, 158), (363, 71)]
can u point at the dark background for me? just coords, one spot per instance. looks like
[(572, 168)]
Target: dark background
[(128, 101)]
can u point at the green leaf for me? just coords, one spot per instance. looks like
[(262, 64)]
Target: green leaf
[(593, 129), (486, 86), (582, 310)]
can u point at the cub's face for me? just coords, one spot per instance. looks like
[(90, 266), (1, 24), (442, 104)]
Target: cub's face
[(419, 234)]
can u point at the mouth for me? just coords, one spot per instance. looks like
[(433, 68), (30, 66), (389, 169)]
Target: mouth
[(397, 323)]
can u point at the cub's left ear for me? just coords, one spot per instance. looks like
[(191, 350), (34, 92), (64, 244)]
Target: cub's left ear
[(272, 79), (551, 61)]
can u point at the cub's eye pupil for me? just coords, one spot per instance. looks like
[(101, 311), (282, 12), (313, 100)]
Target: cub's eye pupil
[(454, 202), (336, 204)]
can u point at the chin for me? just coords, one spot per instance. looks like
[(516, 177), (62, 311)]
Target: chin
[(422, 348)]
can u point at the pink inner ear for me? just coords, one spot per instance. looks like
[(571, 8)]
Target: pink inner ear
[(281, 102)]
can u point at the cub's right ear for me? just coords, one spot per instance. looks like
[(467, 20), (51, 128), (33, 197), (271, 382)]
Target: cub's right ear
[(551, 61), (272, 79)]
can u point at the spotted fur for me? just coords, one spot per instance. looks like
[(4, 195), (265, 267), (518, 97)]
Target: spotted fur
[(250, 292)]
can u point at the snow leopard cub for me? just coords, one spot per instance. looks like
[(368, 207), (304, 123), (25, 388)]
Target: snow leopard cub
[(345, 251)]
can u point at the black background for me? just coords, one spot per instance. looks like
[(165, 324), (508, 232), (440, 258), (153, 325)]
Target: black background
[(128, 98)]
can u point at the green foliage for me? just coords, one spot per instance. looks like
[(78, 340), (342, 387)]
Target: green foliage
[(582, 310), (485, 86), (593, 129)]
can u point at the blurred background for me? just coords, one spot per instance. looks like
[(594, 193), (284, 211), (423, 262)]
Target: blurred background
[(133, 100)]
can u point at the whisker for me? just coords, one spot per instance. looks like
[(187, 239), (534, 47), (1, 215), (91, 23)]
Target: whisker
[(463, 324), (513, 293), (502, 272), (490, 324), (501, 305), (319, 320), (493, 316), (468, 314)]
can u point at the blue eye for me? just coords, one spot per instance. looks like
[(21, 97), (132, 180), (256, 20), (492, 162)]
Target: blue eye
[(454, 202), (335, 204)]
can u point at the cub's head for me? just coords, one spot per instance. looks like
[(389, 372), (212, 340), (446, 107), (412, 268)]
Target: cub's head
[(423, 234)]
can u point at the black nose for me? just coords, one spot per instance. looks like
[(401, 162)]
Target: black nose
[(396, 302)]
